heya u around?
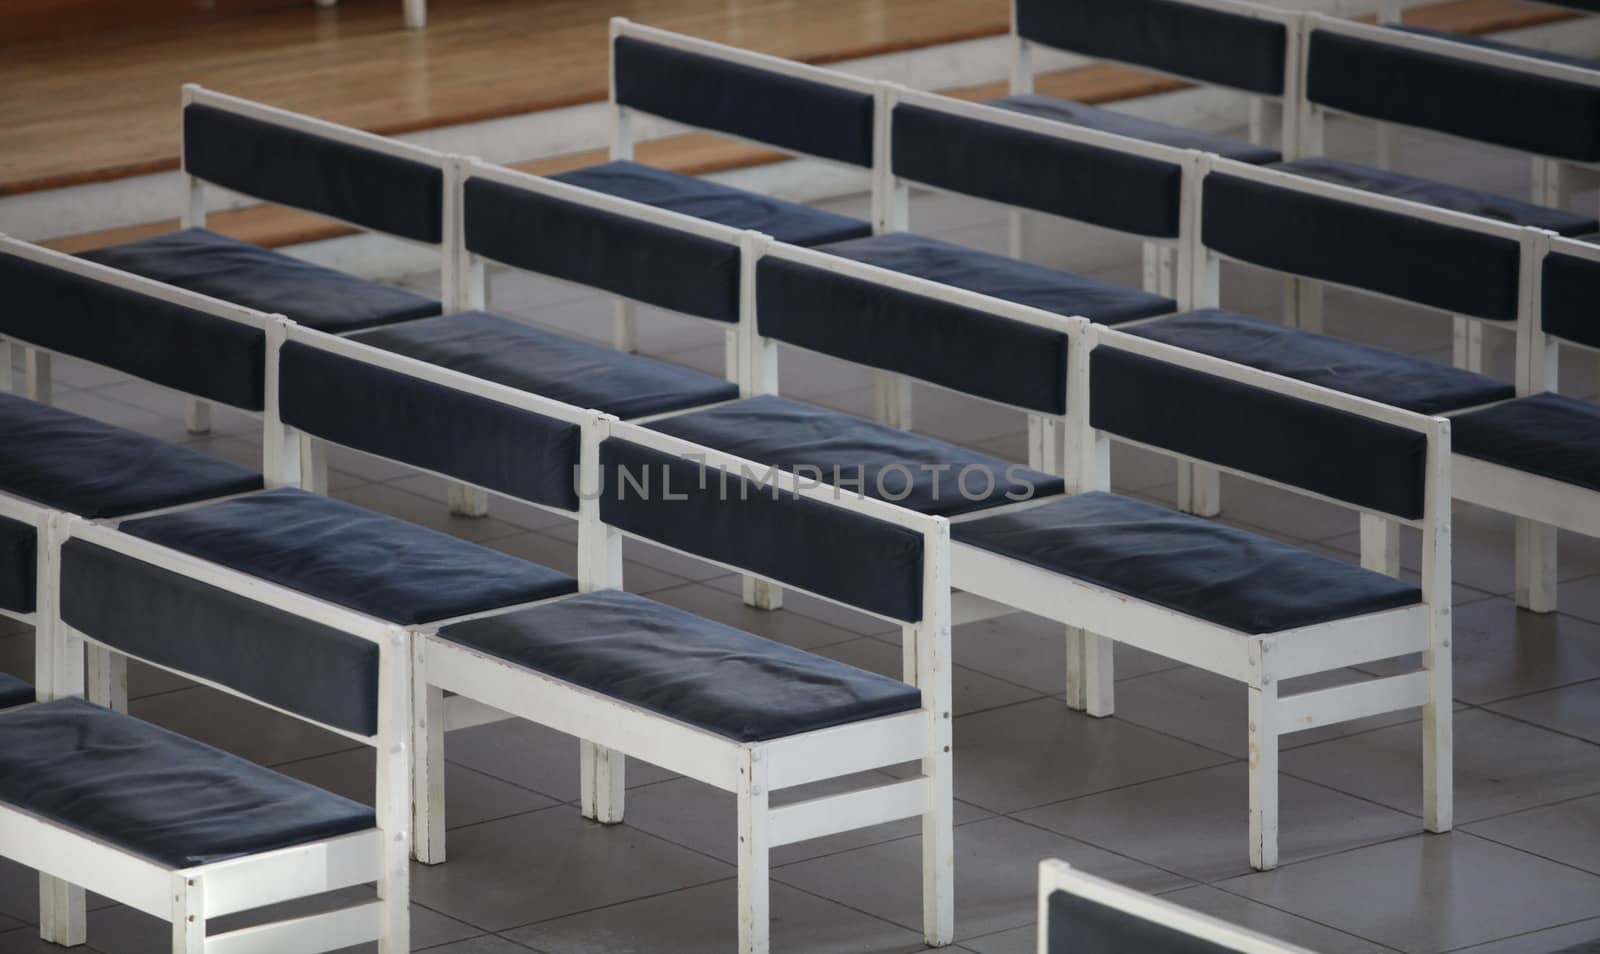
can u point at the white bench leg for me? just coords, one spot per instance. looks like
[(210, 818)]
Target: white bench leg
[(762, 594), (63, 913), (106, 673), (1264, 776), (755, 915), (1380, 545), (7, 378), (1091, 677), (605, 774), (624, 326), (188, 915), (1438, 746), (197, 416), (1466, 349), (1199, 489), (893, 400), (427, 771), (1302, 304), (36, 365), (313, 465), (416, 14), (468, 501), (1536, 566), (1160, 269)]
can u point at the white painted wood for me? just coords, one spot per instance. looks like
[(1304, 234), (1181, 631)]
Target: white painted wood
[(817, 817), (331, 931), (754, 851), (240, 884), (76, 860), (1380, 544), (188, 913), (106, 676), (1356, 700), (1263, 732)]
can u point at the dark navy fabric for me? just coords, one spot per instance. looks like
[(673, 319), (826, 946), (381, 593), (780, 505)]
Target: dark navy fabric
[(1111, 121), (14, 692), (438, 428), (19, 560), (1023, 282), (801, 115), (916, 472), (154, 793), (1388, 377), (565, 369), (1484, 103), (1212, 46), (1386, 252), (742, 521), (1081, 926), (685, 667), (370, 562), (291, 167), (175, 621), (174, 346), (265, 280), (787, 222), (964, 349), (1028, 170), (1571, 299), (1311, 446), (95, 470), (632, 258), (1569, 59), (1193, 566), (1546, 434), (1444, 196)]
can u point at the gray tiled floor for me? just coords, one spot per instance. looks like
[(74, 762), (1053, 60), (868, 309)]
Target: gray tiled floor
[(1154, 798)]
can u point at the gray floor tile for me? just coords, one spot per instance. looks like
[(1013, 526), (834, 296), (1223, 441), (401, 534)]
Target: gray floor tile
[(532, 757), (1019, 940), (1541, 942), (1568, 832), (1272, 922), (483, 944), (1573, 709), (471, 797), (973, 691), (26, 941), (1031, 651), (241, 727)]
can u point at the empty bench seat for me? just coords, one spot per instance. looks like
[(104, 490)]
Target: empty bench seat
[(156, 794), (696, 671), (1415, 384), (370, 562), (556, 366), (1121, 124), (13, 691), (266, 280), (1248, 583), (1034, 285), (1442, 195), (1545, 434), (784, 221), (916, 472)]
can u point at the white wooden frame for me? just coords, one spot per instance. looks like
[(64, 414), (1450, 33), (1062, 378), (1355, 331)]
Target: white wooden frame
[(1059, 876), (1259, 661), (71, 862)]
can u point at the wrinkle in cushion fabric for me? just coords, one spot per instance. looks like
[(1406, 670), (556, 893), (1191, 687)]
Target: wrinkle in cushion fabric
[(154, 793), (559, 367), (260, 278), (1546, 434), (1135, 127), (14, 692), (1080, 926), (19, 561), (371, 562), (787, 222), (82, 466), (694, 670), (1245, 582)]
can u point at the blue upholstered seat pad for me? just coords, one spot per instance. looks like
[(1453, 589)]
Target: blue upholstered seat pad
[(694, 670), (556, 366), (83, 466), (371, 562), (1111, 121), (1046, 288), (1415, 384), (860, 455), (785, 221), (154, 793), (1570, 59), (13, 691), (19, 556), (1193, 566), (1546, 434), (266, 280), (1441, 195)]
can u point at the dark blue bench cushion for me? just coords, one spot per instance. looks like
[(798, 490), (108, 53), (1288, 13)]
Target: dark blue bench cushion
[(1569, 59), (95, 470), (13, 691), (1571, 290), (880, 461), (690, 669), (19, 558), (1545, 434), (1442, 195), (1193, 566), (1111, 121), (1081, 926), (154, 793), (785, 221), (1415, 384), (566, 369), (371, 562), (1034, 285), (265, 280)]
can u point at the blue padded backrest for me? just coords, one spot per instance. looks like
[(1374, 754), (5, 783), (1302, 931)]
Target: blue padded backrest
[(1080, 926), (1572, 299), (1008, 165), (1211, 46), (291, 167), (1483, 103), (735, 519), (640, 260), (394, 415), (1332, 452), (800, 115), (1429, 263), (959, 348), (171, 345), (166, 618)]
